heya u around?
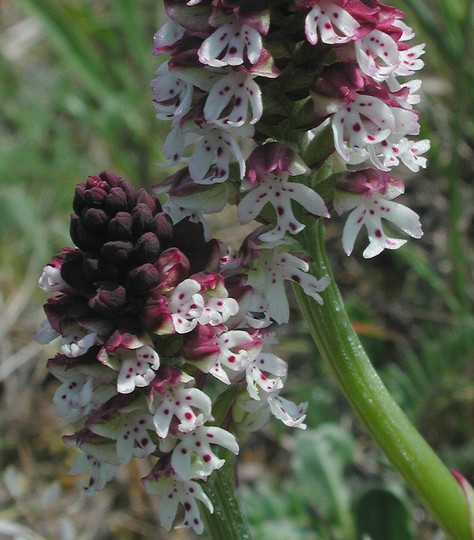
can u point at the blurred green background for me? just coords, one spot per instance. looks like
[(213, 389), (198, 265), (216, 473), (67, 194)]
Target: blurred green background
[(75, 99)]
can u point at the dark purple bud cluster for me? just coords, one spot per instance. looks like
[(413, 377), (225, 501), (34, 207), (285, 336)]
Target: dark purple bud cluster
[(120, 234)]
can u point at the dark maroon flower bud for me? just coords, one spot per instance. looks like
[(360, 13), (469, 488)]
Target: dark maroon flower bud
[(117, 251), (63, 309), (73, 274), (173, 268), (106, 191), (189, 239), (130, 192), (162, 227), (255, 13), (79, 201), (166, 376), (368, 181), (92, 268), (154, 314), (339, 80), (201, 343), (147, 249), (97, 269), (143, 279), (120, 227), (105, 180), (110, 299), (144, 198), (129, 255), (95, 196), (185, 53), (273, 158), (84, 239), (142, 217), (92, 193), (94, 219), (117, 201)]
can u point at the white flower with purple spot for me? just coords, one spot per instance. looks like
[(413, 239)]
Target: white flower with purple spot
[(405, 94), (231, 45), (286, 411), (272, 269), (369, 208), (137, 368), (209, 162), (237, 349), (334, 24), (410, 60), (77, 341), (172, 97), (101, 472), (193, 456), (130, 431), (257, 374), (366, 120), (377, 55), (186, 305), (234, 100), (279, 192), (387, 154), (176, 492), (218, 310), (190, 406), (74, 397)]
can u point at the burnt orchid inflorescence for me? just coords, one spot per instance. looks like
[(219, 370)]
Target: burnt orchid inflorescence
[(251, 90), (146, 311), (288, 110)]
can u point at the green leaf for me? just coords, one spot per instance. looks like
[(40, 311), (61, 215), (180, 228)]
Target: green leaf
[(318, 465), (382, 514), (320, 147)]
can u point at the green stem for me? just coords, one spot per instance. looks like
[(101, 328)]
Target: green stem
[(227, 521), (397, 437)]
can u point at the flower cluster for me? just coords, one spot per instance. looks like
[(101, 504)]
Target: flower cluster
[(148, 315), (164, 331), (259, 95), (249, 88)]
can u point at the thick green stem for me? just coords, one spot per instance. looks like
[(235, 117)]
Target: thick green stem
[(397, 437), (227, 521)]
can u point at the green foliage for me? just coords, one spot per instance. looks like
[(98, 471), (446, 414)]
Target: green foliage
[(320, 500), (324, 454), (83, 98), (383, 514), (451, 129)]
